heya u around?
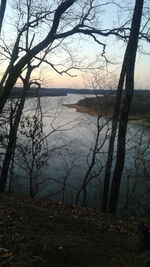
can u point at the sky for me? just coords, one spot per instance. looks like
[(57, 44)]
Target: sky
[(142, 73), (142, 69), (89, 52)]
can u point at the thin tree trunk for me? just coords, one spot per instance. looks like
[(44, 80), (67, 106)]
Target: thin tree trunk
[(11, 143), (112, 139), (127, 100), (84, 184), (2, 12), (89, 170), (10, 151)]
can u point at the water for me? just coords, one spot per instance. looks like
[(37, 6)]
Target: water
[(70, 139)]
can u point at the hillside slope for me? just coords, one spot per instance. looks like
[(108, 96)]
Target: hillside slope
[(45, 233)]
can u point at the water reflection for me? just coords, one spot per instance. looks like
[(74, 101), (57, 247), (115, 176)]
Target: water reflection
[(70, 139)]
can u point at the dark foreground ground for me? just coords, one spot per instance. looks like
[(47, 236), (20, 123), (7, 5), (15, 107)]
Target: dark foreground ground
[(44, 233)]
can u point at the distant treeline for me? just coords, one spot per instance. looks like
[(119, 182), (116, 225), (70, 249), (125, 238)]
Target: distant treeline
[(140, 104), (32, 92)]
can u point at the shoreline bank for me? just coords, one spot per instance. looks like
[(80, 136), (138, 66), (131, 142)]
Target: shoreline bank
[(132, 119)]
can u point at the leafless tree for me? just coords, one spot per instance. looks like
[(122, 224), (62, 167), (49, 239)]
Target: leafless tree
[(16, 114), (35, 154), (94, 158), (137, 175), (58, 18), (121, 113), (128, 76)]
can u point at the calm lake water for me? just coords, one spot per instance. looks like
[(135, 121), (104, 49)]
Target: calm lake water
[(69, 150)]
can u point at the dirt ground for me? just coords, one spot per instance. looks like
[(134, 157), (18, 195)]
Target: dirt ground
[(44, 233)]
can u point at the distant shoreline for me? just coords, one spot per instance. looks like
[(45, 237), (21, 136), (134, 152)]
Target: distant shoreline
[(32, 92), (36, 93), (140, 120), (82, 109)]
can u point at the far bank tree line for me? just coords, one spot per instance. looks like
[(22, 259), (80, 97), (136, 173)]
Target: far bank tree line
[(140, 104)]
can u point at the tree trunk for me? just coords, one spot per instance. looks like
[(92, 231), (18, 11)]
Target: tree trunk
[(11, 143), (112, 140), (90, 168), (2, 12), (129, 89)]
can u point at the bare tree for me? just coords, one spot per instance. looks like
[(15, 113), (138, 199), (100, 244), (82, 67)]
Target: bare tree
[(129, 62), (137, 172), (80, 24), (34, 150), (94, 159), (125, 78), (16, 113)]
